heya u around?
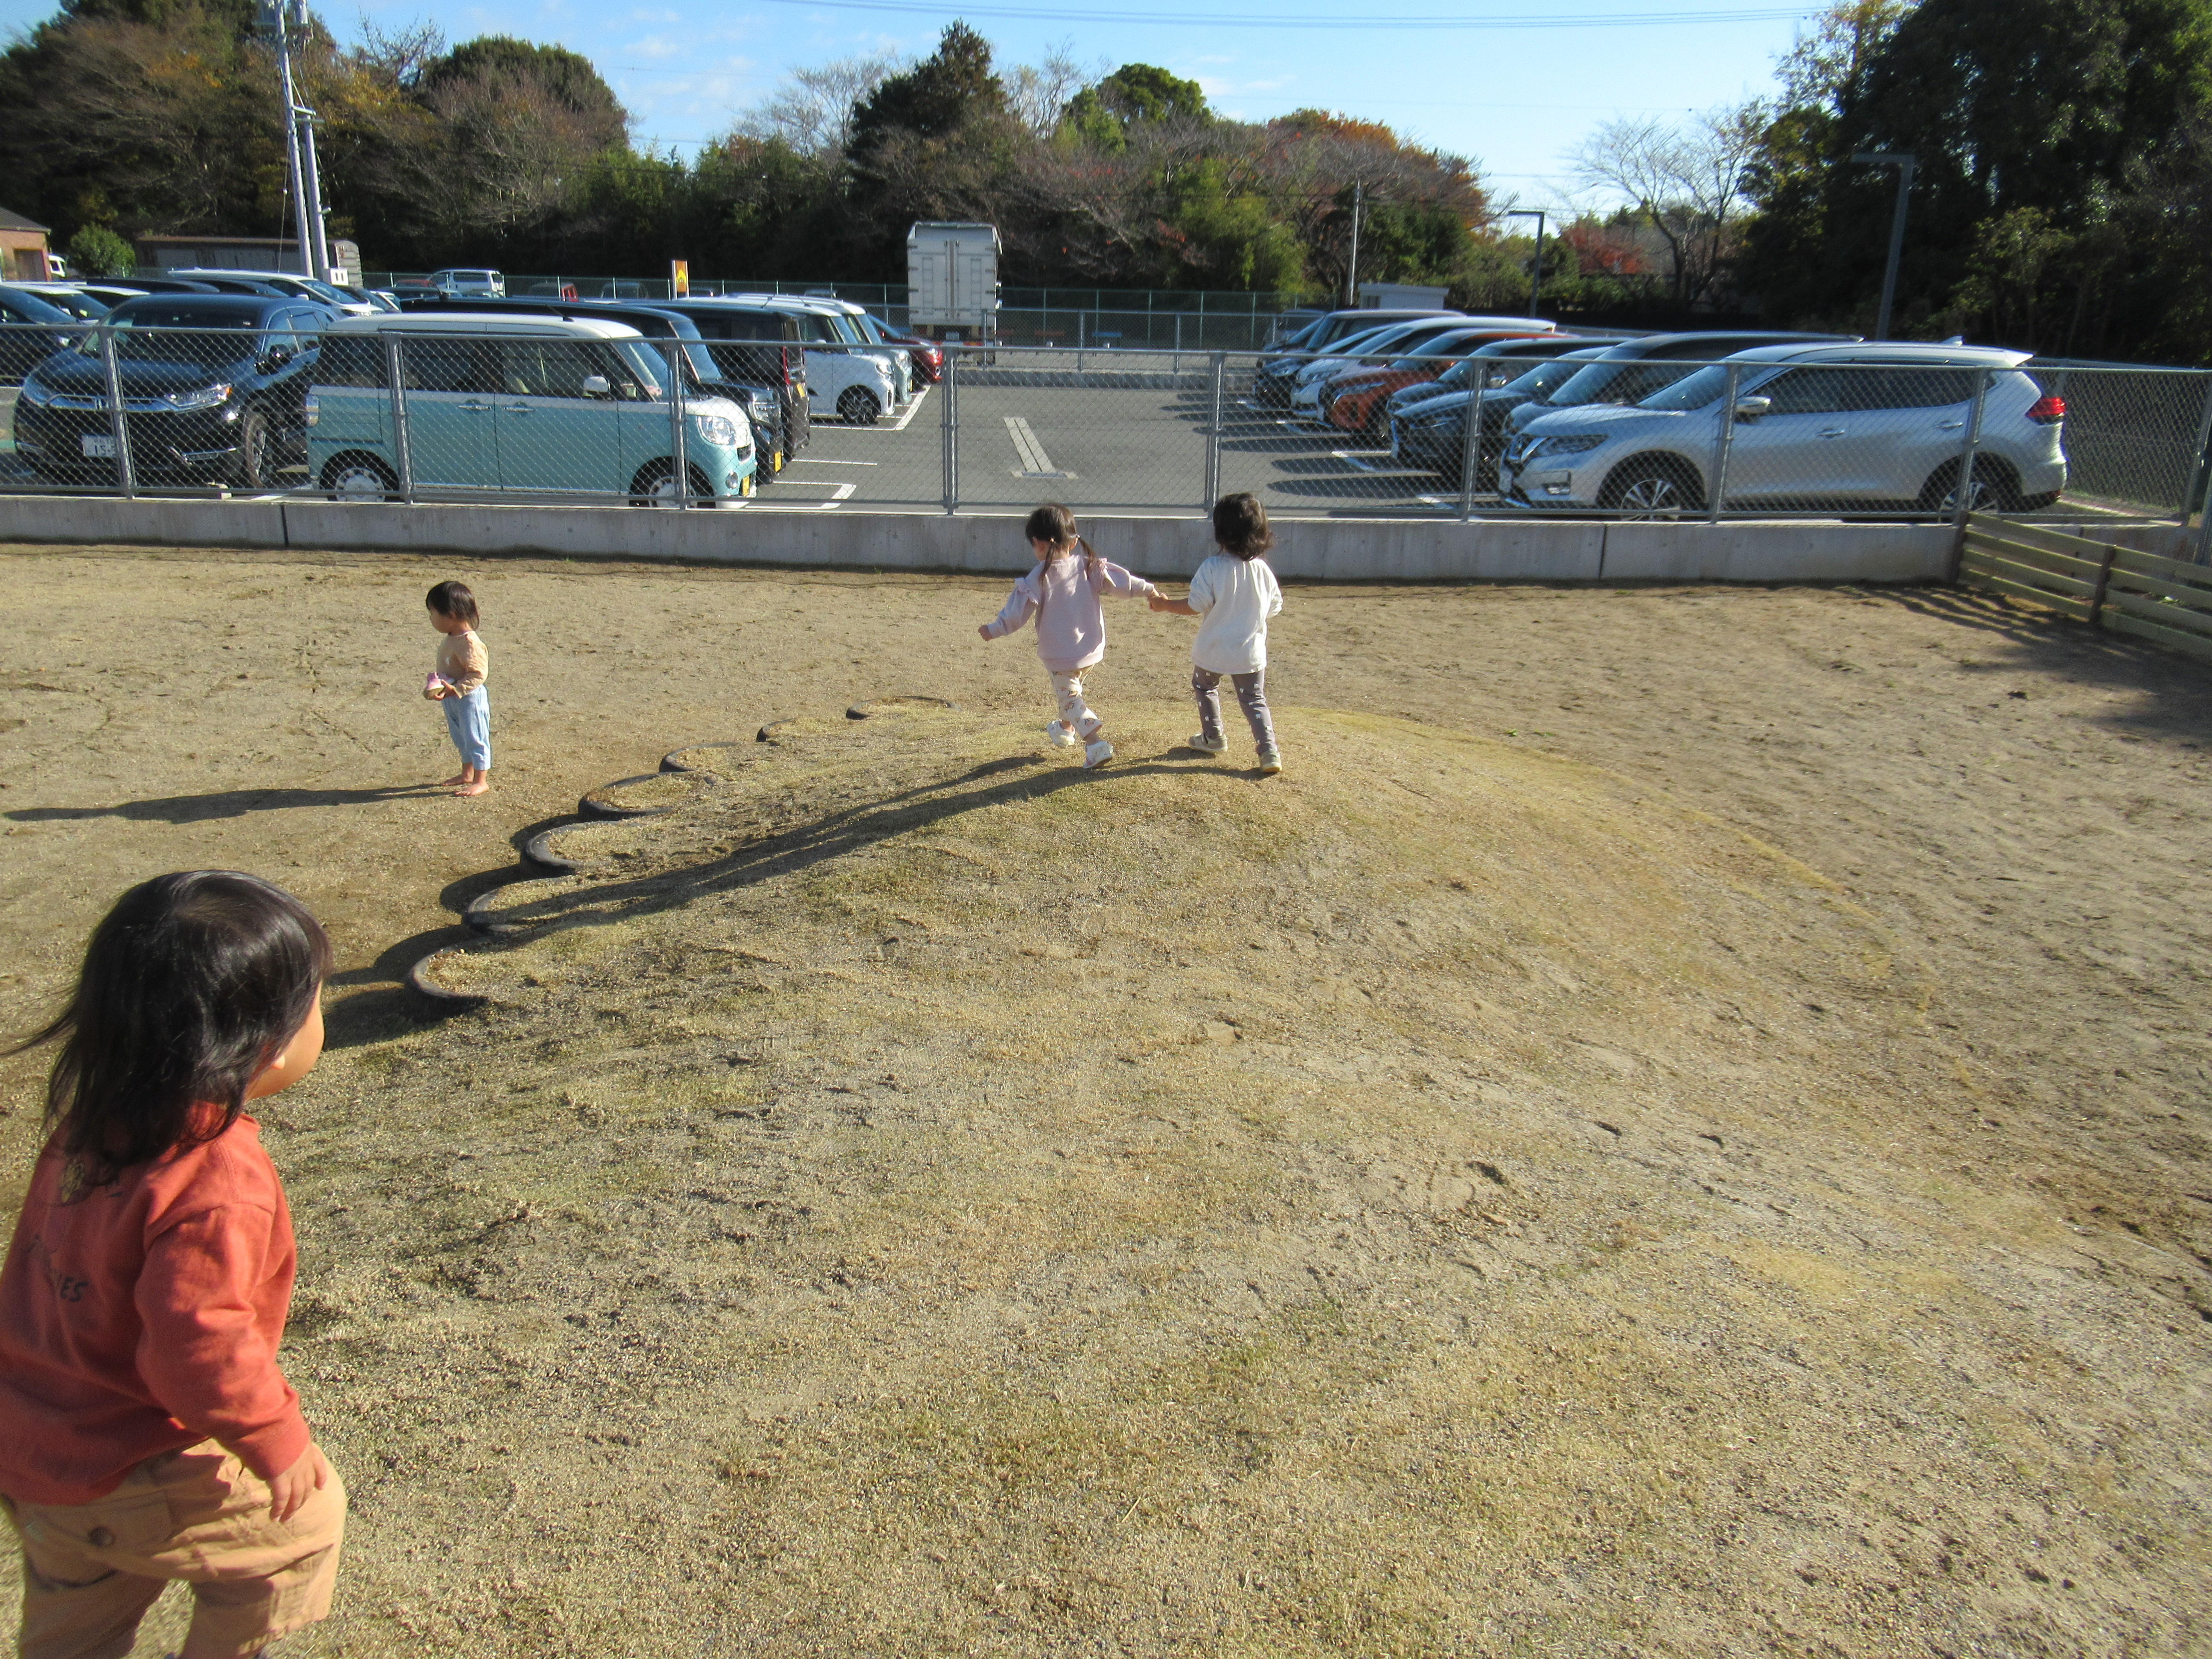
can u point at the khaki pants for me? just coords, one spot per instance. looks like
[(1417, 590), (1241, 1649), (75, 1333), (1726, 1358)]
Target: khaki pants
[(90, 1571)]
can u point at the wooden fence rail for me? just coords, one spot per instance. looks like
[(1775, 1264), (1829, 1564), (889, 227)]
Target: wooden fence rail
[(2157, 598)]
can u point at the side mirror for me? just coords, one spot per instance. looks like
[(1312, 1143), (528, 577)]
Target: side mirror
[(1500, 377), (275, 358), (595, 386), (1750, 409)]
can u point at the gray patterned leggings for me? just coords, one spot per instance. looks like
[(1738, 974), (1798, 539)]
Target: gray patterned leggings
[(1251, 695)]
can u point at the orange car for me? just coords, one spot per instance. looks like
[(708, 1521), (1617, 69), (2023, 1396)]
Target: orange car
[(1358, 400)]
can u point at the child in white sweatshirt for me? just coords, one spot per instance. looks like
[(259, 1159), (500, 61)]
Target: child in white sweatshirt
[(1233, 593), (1064, 593)]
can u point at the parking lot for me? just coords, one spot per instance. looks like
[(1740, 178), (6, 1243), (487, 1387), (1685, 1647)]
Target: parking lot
[(1097, 438)]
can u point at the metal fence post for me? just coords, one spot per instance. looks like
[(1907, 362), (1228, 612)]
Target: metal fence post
[(1214, 434), (1723, 442), (1963, 490), (403, 451), (950, 425), (1470, 447), (678, 451), (126, 474), (2203, 553)]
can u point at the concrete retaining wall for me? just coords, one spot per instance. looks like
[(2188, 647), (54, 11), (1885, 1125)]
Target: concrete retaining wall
[(1329, 550)]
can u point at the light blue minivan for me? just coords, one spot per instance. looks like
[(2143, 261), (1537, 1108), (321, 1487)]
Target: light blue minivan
[(529, 405)]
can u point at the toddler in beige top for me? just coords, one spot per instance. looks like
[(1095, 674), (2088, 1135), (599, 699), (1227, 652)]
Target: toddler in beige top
[(459, 684)]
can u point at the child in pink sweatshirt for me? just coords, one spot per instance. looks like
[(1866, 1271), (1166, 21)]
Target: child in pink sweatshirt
[(1063, 594)]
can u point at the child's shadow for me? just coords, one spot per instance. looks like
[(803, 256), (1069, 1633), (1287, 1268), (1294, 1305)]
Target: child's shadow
[(228, 804)]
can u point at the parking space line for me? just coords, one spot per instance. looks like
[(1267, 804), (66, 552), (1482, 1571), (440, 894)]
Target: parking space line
[(1036, 463), (912, 410), (824, 460)]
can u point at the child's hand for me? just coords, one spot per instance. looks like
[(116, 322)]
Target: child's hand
[(1157, 600), (295, 1485), (984, 632)]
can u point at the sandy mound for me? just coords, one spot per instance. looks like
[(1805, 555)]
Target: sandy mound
[(911, 1194)]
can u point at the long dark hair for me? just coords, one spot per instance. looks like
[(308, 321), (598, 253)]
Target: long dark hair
[(190, 986), (1055, 526)]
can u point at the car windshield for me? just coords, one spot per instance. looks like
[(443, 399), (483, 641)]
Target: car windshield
[(869, 326), (1425, 353), (83, 306), (1301, 335), (1545, 378), (1587, 385), (650, 366), (32, 308), (142, 336), (1693, 392)]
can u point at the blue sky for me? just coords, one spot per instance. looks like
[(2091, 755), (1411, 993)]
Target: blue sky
[(1516, 99)]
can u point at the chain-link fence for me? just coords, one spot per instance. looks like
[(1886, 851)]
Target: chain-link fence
[(529, 409)]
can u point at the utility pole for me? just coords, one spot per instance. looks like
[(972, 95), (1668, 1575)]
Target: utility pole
[(1903, 162), (1536, 265), (279, 18), (1352, 271)]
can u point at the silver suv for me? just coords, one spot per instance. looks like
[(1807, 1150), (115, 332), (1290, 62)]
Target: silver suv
[(1814, 428)]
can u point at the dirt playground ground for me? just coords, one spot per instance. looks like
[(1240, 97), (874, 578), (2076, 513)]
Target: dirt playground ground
[(1681, 1124)]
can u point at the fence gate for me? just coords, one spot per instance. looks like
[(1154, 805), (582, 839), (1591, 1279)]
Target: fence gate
[(2166, 600)]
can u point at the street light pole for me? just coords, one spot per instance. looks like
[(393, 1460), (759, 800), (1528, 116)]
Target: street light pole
[(279, 17), (1903, 162), (1536, 265), (1352, 269)]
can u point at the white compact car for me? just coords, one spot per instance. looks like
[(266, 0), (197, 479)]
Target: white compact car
[(861, 381), (1831, 428)]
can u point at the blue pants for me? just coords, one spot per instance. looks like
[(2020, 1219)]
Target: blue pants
[(469, 721)]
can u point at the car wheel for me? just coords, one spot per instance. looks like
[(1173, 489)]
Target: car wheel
[(1653, 487), (1994, 489), (858, 406), (359, 478), (256, 462), (655, 485)]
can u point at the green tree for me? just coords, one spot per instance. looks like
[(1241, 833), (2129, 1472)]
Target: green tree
[(2011, 107), (95, 250), (952, 89), (1103, 114)]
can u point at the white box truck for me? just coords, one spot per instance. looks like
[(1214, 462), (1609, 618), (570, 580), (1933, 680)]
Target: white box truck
[(952, 280)]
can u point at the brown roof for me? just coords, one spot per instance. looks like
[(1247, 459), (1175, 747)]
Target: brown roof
[(18, 222)]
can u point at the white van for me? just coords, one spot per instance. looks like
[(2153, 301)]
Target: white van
[(860, 380), (534, 406)]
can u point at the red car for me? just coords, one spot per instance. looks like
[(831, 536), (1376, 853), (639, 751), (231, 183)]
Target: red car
[(928, 356), (1358, 400)]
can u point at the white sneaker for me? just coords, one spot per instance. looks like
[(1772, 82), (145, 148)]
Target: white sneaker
[(1059, 736), (1206, 745), (1270, 763), (1098, 754)]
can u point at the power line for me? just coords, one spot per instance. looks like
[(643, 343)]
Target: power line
[(1606, 19)]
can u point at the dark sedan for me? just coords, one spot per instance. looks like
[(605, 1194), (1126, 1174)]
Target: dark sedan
[(31, 328), (213, 391)]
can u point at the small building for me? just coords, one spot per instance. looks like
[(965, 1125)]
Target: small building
[(160, 253), (1401, 296), (23, 250)]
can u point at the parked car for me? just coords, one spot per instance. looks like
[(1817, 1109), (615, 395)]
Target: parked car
[(1826, 428), (860, 383), (518, 403), (31, 328), (284, 281), (1358, 400), (475, 280), (758, 347), (861, 329), (1429, 430), (926, 355), (214, 392), (70, 297), (1272, 375), (1371, 350), (760, 398), (1634, 369)]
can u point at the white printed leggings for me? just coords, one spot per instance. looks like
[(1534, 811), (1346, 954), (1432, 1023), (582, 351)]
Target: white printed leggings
[(1067, 690), (1251, 694)]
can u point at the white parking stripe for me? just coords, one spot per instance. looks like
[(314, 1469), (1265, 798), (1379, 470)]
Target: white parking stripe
[(1036, 463), (912, 410)]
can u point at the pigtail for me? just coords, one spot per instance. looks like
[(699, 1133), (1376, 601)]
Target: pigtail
[(1090, 556)]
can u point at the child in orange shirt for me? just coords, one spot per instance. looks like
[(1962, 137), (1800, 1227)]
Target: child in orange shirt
[(145, 1433)]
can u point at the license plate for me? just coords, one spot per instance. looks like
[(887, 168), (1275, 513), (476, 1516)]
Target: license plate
[(99, 448)]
